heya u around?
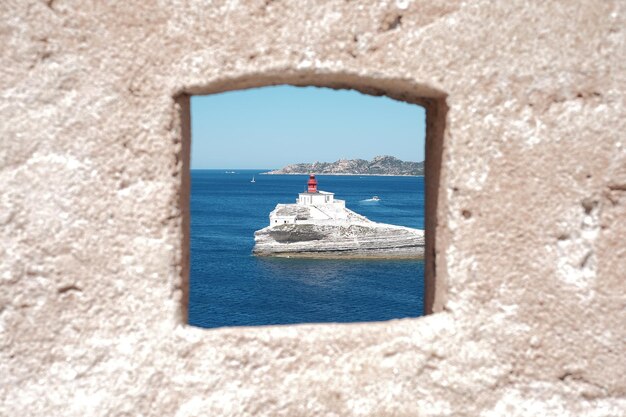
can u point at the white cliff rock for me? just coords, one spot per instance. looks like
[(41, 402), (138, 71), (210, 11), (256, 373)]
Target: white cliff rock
[(344, 239)]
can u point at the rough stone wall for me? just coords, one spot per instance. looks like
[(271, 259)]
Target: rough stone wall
[(531, 214)]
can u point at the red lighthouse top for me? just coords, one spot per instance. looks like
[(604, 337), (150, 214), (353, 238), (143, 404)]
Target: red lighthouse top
[(312, 184)]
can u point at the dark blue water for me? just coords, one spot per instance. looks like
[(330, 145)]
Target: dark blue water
[(230, 287)]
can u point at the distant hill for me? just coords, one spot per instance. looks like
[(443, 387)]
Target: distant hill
[(380, 165)]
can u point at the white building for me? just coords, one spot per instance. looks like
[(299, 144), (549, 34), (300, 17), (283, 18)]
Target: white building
[(319, 197)]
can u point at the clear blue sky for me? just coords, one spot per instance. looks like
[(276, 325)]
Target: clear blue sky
[(271, 127)]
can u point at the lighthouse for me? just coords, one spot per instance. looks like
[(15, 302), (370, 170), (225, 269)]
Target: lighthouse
[(312, 207), (312, 184), (313, 196)]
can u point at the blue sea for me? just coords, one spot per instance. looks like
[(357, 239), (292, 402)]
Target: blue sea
[(231, 287)]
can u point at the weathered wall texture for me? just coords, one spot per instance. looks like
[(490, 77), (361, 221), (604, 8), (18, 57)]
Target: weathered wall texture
[(531, 218)]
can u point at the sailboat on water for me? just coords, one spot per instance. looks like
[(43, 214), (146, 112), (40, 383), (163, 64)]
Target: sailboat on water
[(253, 179)]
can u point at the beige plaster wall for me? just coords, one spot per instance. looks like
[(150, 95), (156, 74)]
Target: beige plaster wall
[(531, 214)]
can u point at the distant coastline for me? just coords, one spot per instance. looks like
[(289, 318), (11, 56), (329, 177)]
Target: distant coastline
[(379, 166), (344, 174), (268, 171)]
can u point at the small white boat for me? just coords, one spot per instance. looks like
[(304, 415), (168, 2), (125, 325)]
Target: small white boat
[(253, 179), (375, 198)]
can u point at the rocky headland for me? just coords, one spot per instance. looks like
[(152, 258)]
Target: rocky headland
[(319, 226), (380, 165)]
